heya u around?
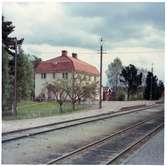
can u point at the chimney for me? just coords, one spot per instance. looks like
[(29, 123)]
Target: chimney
[(64, 53), (74, 55)]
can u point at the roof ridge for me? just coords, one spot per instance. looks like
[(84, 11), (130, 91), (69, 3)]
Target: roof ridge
[(73, 64), (51, 59), (81, 61), (70, 60)]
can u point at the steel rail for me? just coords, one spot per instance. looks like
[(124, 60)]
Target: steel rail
[(53, 161), (101, 117), (133, 145)]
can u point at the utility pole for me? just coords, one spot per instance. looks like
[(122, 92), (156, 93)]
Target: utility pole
[(17, 46), (101, 63), (15, 79), (14, 45), (151, 86)]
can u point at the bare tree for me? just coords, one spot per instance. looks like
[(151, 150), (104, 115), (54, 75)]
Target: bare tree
[(76, 89), (80, 89), (59, 89)]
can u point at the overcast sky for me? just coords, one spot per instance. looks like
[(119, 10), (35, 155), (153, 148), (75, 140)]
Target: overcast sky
[(134, 32)]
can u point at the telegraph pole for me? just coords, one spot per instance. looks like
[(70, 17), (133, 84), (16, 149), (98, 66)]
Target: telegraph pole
[(151, 87), (101, 63), (15, 79), (14, 44)]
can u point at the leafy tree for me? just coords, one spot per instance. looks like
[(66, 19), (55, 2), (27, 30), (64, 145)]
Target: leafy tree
[(34, 62), (24, 77), (113, 73), (131, 79)]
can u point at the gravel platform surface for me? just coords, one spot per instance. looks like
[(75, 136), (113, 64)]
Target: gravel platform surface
[(151, 153)]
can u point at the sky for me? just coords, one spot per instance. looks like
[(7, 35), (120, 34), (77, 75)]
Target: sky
[(133, 32)]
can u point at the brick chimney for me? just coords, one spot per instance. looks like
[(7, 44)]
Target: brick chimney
[(64, 53), (74, 55)]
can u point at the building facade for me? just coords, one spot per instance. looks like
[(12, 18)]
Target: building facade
[(63, 67)]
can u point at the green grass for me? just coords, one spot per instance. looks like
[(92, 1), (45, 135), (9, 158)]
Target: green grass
[(29, 109)]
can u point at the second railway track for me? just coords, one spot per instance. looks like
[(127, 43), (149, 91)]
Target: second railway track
[(112, 147), (23, 133)]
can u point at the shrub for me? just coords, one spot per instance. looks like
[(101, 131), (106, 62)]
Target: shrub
[(120, 96)]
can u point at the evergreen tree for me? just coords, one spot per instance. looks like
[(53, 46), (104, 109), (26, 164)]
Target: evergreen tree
[(25, 68), (7, 29), (131, 79), (7, 41), (147, 91), (153, 89), (160, 89), (6, 83)]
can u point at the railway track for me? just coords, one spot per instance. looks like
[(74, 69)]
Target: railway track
[(139, 141), (27, 132), (110, 148)]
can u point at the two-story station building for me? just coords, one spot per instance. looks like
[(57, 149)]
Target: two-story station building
[(63, 67)]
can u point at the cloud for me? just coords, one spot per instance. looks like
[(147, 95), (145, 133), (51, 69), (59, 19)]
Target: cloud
[(49, 27), (78, 24), (124, 22), (152, 13)]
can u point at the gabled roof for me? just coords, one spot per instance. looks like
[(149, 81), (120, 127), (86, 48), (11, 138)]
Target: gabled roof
[(65, 63)]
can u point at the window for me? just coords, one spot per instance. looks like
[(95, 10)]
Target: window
[(89, 78), (54, 75), (65, 75), (43, 75)]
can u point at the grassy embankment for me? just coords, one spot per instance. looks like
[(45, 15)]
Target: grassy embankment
[(29, 109)]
